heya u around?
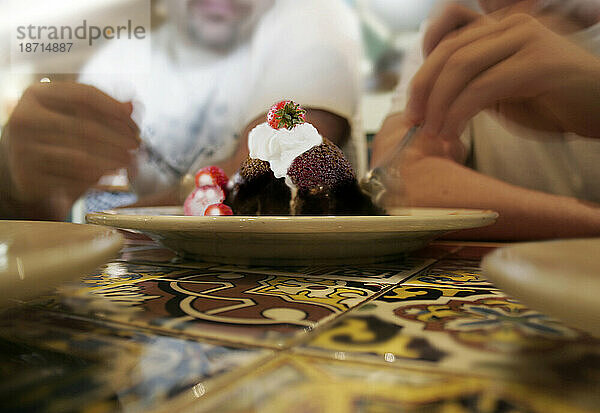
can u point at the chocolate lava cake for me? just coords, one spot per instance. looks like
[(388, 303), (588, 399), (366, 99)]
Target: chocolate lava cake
[(323, 180), (293, 170)]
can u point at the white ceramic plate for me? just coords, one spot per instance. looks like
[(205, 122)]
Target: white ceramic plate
[(558, 278), (293, 240), (37, 256)]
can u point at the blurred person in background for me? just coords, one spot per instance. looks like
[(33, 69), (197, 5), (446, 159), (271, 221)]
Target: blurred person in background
[(217, 67), (509, 100)]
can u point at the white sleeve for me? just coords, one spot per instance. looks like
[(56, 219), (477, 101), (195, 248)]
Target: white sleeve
[(123, 86), (120, 84)]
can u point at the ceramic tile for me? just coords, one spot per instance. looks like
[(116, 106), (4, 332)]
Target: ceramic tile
[(384, 273), (261, 309), (304, 384), (118, 277), (55, 363), (469, 330), (451, 273)]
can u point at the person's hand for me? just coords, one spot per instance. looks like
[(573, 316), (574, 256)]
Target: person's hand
[(393, 165), (508, 62), (60, 139)]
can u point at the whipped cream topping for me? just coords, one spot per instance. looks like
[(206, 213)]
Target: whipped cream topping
[(280, 147)]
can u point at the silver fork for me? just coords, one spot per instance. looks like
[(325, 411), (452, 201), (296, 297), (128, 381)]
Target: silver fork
[(374, 182)]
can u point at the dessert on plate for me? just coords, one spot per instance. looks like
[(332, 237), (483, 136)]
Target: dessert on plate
[(291, 170)]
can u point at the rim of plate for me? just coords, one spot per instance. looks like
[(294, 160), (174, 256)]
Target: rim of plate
[(43, 262), (412, 219)]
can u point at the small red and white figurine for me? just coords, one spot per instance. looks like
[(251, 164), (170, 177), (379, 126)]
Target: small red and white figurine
[(208, 196)]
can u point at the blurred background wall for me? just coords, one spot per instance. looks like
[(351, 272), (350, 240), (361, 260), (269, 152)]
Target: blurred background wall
[(389, 29)]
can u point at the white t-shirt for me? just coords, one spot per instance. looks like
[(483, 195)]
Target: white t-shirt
[(562, 164), (194, 104)]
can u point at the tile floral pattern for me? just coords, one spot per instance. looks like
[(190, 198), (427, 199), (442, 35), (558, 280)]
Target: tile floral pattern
[(458, 330), (152, 331), (451, 273), (251, 308)]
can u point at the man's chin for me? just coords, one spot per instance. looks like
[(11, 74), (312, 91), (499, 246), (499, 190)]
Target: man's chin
[(215, 37)]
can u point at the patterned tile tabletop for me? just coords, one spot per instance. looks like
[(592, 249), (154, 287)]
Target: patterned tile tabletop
[(427, 333)]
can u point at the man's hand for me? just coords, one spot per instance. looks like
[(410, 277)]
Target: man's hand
[(60, 139), (394, 164), (508, 62)]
